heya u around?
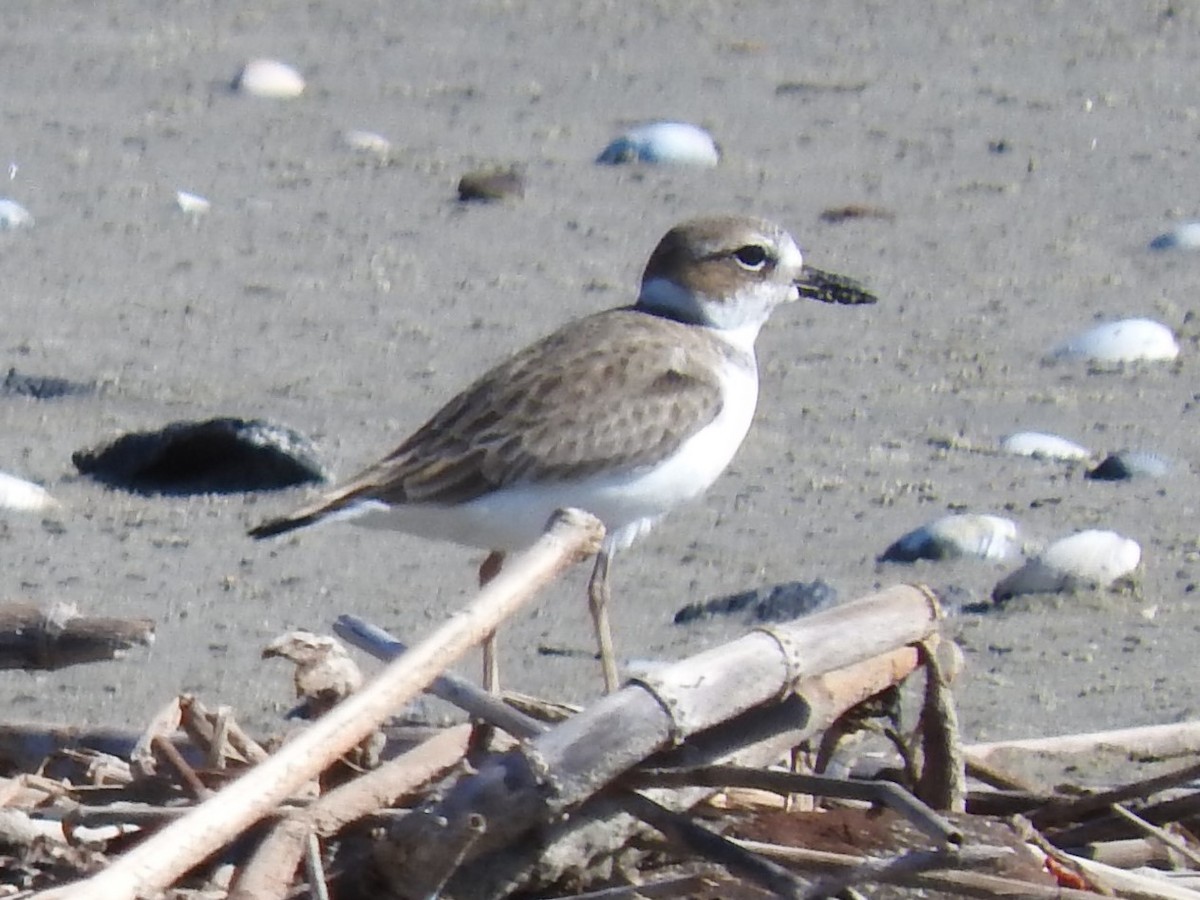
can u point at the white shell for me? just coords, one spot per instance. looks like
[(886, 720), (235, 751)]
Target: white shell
[(192, 204), (966, 534), (1183, 237), (1043, 446), (1087, 559), (269, 78), (20, 495), (676, 143), (13, 215), (1129, 340), (367, 142)]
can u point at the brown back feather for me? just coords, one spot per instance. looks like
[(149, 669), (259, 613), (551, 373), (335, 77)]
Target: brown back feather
[(603, 392)]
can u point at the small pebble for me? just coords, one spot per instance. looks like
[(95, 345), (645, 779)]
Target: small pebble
[(965, 534), (1087, 559), (1183, 237), (1130, 464), (491, 185), (672, 143), (835, 215), (1129, 340), (269, 78), (13, 215), (367, 142), (1043, 446), (20, 495)]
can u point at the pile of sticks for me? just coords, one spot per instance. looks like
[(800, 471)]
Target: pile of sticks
[(672, 786)]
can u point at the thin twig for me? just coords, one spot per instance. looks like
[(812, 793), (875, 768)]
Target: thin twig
[(1060, 812), (1160, 833), (676, 886), (314, 869), (967, 884), (906, 864), (883, 793), (475, 702), (682, 831), (172, 755)]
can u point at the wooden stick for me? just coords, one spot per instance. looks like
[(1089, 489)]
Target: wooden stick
[(1180, 739), (565, 848), (888, 869), (1159, 833), (155, 864), (584, 753), (1060, 812), (674, 886), (314, 869), (683, 832), (1132, 885), (477, 703), (997, 777), (54, 638), (269, 872), (966, 884), (883, 793)]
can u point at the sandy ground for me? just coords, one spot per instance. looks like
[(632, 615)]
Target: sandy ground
[(1028, 152)]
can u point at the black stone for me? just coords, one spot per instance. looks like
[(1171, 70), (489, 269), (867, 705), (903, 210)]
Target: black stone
[(780, 603), (219, 456)]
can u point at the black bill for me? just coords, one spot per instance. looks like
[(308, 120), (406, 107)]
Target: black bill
[(829, 288)]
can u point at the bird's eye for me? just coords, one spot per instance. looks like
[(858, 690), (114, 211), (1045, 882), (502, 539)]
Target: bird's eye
[(752, 256)]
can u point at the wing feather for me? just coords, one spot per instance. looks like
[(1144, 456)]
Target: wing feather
[(614, 390)]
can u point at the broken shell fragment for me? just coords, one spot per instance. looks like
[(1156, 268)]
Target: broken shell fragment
[(1129, 340), (965, 534), (1182, 237), (269, 78), (13, 215), (1087, 559), (192, 204), (670, 143), (19, 495), (1043, 446), (1129, 464)]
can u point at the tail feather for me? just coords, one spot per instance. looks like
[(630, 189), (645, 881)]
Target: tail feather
[(282, 525)]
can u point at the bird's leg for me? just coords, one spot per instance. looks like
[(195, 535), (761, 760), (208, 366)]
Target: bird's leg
[(488, 570), (598, 597)]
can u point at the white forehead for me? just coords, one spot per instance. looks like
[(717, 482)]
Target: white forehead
[(789, 253)]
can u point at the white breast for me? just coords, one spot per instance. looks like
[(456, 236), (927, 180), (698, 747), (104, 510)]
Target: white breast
[(628, 502)]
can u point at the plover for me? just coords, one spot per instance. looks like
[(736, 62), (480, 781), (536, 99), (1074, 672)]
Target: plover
[(626, 413)]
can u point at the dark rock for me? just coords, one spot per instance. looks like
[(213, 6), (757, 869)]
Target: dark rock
[(780, 603), (219, 456), (43, 387)]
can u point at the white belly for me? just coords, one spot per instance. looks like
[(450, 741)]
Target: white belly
[(628, 503)]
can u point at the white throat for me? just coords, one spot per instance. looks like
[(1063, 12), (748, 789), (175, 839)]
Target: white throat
[(736, 320)]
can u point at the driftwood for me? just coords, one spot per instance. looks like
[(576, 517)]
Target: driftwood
[(156, 863), (1178, 739), (54, 638), (270, 872), (575, 799), (965, 884), (544, 779)]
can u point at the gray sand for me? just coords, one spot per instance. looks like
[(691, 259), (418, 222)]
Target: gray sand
[(1028, 151)]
